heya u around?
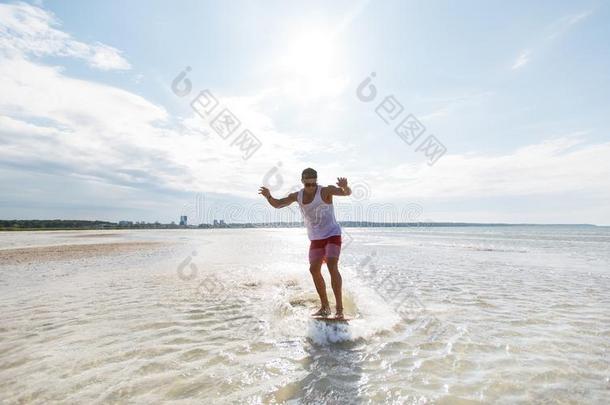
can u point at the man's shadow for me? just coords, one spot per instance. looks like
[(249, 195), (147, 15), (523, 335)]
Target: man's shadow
[(334, 375)]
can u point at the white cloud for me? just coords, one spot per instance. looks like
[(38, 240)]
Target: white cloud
[(105, 57), (522, 60), (560, 165), (53, 123), (564, 24), (30, 30), (555, 29), (81, 128)]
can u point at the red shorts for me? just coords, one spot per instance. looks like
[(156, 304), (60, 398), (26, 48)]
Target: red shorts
[(323, 248)]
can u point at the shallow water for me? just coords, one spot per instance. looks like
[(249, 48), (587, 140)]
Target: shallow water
[(443, 315)]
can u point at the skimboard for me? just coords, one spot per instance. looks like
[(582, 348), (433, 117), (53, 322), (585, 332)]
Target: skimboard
[(345, 319)]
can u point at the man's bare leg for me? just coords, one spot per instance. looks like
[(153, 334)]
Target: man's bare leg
[(315, 268), (335, 280)]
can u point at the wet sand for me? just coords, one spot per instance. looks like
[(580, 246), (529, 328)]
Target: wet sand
[(31, 255)]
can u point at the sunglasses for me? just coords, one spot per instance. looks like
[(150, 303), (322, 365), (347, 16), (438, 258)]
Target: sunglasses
[(310, 184)]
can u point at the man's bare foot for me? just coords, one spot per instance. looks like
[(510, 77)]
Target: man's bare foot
[(324, 311), (339, 313)]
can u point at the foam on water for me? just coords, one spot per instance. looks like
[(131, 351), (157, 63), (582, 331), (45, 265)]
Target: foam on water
[(372, 316), (283, 297)]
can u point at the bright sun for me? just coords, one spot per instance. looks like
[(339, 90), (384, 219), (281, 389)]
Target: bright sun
[(310, 65), (309, 56)]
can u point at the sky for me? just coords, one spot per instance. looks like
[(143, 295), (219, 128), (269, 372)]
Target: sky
[(474, 111)]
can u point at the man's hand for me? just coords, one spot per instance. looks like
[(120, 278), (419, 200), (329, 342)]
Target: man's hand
[(275, 203), (264, 191), (342, 189), (342, 182)]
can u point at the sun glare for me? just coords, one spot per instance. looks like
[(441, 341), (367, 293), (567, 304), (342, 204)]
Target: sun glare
[(310, 65), (309, 55)]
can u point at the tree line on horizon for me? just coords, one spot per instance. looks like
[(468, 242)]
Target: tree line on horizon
[(67, 224)]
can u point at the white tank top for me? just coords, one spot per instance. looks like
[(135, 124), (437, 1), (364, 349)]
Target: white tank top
[(319, 217)]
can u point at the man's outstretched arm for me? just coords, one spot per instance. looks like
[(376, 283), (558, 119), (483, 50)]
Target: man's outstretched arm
[(277, 203)]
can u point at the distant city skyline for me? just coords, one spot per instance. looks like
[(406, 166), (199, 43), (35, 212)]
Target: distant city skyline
[(98, 119)]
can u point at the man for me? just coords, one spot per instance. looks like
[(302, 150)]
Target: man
[(322, 229)]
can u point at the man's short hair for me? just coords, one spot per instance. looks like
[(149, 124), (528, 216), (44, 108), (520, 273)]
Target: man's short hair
[(309, 173)]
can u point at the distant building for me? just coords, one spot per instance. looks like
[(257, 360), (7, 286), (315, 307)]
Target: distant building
[(222, 222), (125, 223), (183, 220), (215, 222)]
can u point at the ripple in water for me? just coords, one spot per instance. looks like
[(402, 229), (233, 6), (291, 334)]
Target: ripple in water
[(491, 315)]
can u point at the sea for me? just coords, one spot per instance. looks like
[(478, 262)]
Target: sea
[(441, 315)]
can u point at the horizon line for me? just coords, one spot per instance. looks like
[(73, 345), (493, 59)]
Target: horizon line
[(350, 223)]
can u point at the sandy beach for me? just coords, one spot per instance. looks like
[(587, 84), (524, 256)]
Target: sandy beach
[(32, 255)]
